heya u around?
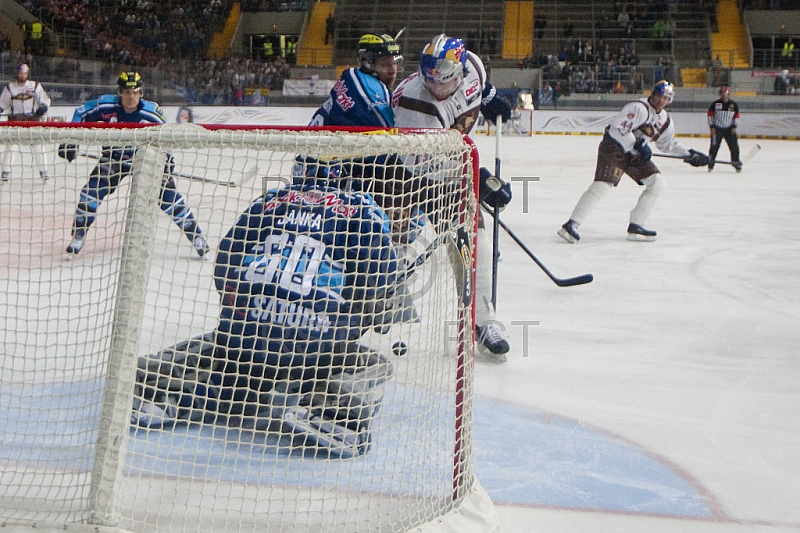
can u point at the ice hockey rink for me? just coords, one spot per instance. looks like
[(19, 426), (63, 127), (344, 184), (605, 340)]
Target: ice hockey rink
[(664, 396)]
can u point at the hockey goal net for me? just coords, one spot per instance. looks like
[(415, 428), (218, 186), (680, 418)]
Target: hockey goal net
[(130, 321), (520, 125)]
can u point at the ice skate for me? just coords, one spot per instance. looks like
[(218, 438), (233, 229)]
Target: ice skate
[(569, 231), (737, 165), (494, 342), (6, 175), (77, 242), (148, 414), (201, 245), (640, 233), (44, 175)]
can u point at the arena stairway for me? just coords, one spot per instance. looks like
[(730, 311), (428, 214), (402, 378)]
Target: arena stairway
[(730, 42), (311, 49), (222, 40)]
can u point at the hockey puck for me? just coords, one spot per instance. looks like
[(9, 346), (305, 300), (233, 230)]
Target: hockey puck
[(399, 348)]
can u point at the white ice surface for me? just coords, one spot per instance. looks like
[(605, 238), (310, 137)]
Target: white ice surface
[(686, 347)]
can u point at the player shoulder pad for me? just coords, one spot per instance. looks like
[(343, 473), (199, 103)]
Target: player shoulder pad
[(152, 107), (473, 61), (372, 85), (105, 99)]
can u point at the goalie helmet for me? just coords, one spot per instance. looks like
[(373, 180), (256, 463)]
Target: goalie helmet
[(666, 89), (443, 65), (129, 80), (372, 46)]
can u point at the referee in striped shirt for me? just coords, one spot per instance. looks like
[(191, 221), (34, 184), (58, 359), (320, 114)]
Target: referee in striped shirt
[(723, 118)]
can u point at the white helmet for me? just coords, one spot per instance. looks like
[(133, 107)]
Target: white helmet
[(443, 65)]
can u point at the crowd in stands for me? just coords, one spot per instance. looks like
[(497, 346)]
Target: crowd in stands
[(274, 5), (609, 63), (168, 41), (226, 81), (139, 32)]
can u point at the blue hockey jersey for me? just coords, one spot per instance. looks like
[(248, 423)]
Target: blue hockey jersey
[(295, 271), (108, 108), (357, 99)]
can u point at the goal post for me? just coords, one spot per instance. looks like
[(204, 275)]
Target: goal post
[(132, 325)]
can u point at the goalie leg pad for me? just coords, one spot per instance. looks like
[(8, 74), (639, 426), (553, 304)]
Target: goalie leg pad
[(337, 440), (336, 416), (177, 383)]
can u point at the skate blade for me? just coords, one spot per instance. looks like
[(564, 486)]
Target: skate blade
[(566, 236), (641, 238)]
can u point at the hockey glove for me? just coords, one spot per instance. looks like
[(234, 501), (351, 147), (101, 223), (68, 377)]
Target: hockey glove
[(492, 104), (494, 191), (68, 151), (41, 110), (643, 152), (696, 159)]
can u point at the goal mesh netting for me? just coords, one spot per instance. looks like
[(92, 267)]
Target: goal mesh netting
[(132, 317)]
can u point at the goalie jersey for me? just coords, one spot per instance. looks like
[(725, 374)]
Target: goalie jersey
[(296, 270)]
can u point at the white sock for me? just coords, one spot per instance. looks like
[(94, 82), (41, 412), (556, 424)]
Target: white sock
[(653, 187), (596, 191)]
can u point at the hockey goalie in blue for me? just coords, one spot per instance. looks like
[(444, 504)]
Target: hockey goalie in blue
[(303, 273)]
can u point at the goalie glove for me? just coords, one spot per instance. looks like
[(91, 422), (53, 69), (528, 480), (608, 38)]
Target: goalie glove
[(493, 190), (492, 104), (68, 151), (41, 110), (642, 152), (696, 159)]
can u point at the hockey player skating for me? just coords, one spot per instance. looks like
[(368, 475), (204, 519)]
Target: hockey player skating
[(24, 100), (302, 274), (723, 119), (361, 96), (116, 163), (624, 150), (448, 91)]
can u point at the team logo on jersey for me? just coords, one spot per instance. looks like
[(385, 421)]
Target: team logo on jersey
[(472, 91), (344, 101)]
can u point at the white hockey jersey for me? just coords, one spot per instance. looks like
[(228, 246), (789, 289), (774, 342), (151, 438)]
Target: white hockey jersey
[(415, 107), (639, 119), (20, 100)]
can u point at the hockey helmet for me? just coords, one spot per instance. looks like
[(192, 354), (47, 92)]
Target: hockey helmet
[(22, 73), (666, 89), (443, 64), (724, 91), (372, 46), (129, 80)]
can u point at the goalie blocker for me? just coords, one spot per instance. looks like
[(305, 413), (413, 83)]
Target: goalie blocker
[(302, 274)]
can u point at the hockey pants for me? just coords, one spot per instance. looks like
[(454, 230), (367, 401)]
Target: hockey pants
[(105, 179)]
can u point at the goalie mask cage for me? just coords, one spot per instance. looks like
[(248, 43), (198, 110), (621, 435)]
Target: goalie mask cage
[(78, 331)]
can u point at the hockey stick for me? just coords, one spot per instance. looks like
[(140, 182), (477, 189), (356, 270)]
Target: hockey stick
[(561, 282), (496, 212), (753, 151), (181, 174)]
